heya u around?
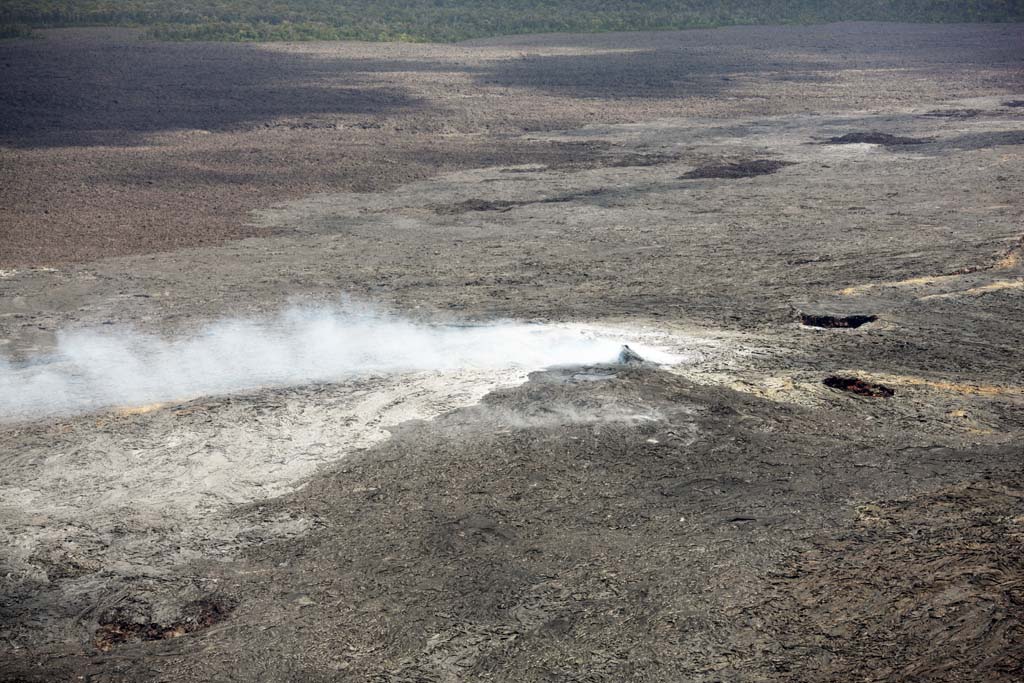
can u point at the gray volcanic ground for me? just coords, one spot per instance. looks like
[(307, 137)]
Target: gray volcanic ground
[(308, 358)]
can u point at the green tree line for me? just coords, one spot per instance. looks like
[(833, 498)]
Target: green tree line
[(452, 20)]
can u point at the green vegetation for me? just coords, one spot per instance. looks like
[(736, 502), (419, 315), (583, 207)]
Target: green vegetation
[(15, 31), (451, 20)]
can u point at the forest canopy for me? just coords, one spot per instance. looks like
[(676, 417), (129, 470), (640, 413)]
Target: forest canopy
[(452, 20)]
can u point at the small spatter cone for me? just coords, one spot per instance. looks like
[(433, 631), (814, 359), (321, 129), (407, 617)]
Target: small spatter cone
[(628, 356)]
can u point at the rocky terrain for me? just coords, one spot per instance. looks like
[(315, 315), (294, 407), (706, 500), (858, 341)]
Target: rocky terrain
[(820, 226)]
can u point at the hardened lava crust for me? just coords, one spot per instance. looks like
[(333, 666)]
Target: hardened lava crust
[(821, 223)]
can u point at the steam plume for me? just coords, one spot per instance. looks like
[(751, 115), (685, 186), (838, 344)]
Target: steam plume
[(93, 369)]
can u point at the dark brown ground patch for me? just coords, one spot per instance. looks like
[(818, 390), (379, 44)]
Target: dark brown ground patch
[(927, 589), (858, 386), (739, 169), (119, 627), (874, 138)]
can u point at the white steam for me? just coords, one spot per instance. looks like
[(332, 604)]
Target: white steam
[(93, 369)]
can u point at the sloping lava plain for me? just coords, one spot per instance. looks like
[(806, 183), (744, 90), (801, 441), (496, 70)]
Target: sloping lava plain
[(733, 517)]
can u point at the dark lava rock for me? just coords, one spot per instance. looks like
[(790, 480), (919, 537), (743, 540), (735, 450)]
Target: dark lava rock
[(628, 356), (740, 169)]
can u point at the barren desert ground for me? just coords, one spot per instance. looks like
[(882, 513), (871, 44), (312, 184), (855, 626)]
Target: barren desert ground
[(814, 234)]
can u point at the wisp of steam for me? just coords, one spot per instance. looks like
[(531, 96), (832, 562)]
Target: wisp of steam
[(94, 369)]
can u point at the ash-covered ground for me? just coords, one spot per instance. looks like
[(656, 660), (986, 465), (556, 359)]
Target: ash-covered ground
[(819, 226)]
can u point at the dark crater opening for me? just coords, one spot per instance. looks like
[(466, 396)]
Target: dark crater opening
[(858, 386), (839, 321), (121, 628), (739, 169), (874, 138)]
